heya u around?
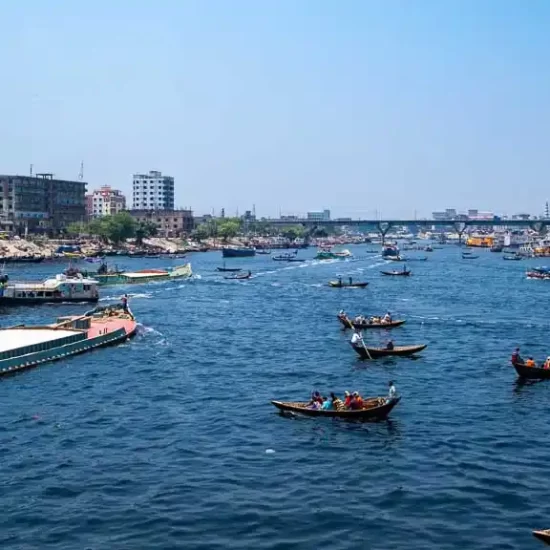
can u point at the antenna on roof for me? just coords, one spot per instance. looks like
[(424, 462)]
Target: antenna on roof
[(31, 171), (81, 173)]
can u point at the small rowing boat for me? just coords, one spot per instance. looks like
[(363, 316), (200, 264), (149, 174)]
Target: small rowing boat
[(512, 258), (531, 373), (367, 324), (240, 276), (396, 273), (228, 269), (340, 284), (544, 536), (374, 408), (367, 353), (469, 257)]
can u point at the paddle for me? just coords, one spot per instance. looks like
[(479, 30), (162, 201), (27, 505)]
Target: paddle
[(366, 349)]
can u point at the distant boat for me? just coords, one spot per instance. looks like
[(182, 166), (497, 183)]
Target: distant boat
[(263, 251), (244, 252), (240, 276)]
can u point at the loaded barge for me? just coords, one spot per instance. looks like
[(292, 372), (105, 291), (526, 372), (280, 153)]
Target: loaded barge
[(23, 347)]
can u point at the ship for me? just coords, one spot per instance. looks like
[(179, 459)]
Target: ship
[(55, 290), (390, 251), (244, 252), (24, 347)]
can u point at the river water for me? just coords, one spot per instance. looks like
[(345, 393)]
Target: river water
[(170, 440)]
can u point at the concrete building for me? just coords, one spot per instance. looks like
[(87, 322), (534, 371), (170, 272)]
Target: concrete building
[(153, 191), (169, 223), (319, 216), (105, 201), (40, 203)]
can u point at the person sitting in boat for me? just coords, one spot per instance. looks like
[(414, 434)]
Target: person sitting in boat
[(387, 318), (356, 402), (347, 400), (336, 402), (516, 358), (358, 319), (547, 363), (342, 314), (389, 345), (327, 404), (315, 398), (392, 392), (530, 362), (357, 338)]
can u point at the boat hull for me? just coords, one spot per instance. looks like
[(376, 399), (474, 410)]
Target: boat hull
[(11, 301), (379, 411), (531, 373), (347, 322), (396, 273), (336, 284), (397, 351), (544, 536), (238, 252)]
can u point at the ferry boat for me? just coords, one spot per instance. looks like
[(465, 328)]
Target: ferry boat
[(56, 290), (23, 347), (390, 251), (327, 254), (231, 252), (115, 277)]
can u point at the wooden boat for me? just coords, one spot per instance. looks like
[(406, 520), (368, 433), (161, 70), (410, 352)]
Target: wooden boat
[(263, 251), (383, 352), (544, 536), (350, 323), (513, 258), (396, 273), (238, 252), (374, 408), (240, 276), (229, 269), (531, 373), (424, 259), (469, 257), (341, 284)]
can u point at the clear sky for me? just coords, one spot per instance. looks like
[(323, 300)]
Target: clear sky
[(291, 105)]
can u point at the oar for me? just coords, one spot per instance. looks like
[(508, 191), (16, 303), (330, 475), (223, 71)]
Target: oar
[(366, 349)]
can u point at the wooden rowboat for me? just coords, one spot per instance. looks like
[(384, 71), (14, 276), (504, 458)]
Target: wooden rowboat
[(340, 284), (544, 535), (366, 325), (239, 277), (396, 273), (229, 269), (364, 353), (374, 408), (531, 373)]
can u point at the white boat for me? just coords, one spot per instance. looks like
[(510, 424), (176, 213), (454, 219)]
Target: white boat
[(58, 289)]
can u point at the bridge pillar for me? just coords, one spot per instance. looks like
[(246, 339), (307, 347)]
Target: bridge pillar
[(383, 228), (460, 228)]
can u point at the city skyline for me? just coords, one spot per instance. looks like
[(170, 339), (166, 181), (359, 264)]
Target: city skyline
[(394, 106)]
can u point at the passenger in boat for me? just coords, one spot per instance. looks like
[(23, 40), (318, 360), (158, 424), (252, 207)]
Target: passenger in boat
[(327, 404), (347, 400), (336, 402), (387, 318), (389, 345), (547, 363), (530, 362), (392, 392), (356, 402), (516, 358), (357, 338), (316, 398), (358, 319)]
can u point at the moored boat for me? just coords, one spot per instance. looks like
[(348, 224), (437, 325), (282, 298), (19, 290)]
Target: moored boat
[(229, 269), (374, 408), (240, 276), (367, 353), (543, 535), (367, 324), (512, 258), (23, 347), (140, 277), (55, 290), (469, 256), (232, 252)]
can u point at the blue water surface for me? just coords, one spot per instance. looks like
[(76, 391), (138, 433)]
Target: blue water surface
[(170, 440)]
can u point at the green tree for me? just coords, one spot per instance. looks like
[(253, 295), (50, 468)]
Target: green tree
[(293, 232), (76, 228), (201, 232), (228, 229), (145, 230)]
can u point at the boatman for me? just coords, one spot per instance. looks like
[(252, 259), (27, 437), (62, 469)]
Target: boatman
[(516, 358), (357, 338), (392, 392), (124, 301)]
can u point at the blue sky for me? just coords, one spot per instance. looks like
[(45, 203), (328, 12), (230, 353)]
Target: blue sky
[(291, 105)]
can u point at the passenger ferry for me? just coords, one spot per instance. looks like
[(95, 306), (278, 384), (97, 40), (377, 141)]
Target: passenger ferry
[(56, 290), (23, 347)]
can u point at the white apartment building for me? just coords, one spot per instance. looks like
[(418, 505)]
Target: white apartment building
[(153, 191), (105, 201)]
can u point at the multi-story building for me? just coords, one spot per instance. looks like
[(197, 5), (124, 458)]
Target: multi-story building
[(153, 191), (105, 201), (169, 223), (40, 203), (321, 216)]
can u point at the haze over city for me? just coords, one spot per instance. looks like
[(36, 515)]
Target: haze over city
[(355, 106)]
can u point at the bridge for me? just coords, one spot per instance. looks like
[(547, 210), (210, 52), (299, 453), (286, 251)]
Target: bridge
[(384, 226)]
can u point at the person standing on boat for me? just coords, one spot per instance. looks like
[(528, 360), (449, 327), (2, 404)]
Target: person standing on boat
[(516, 358), (124, 301), (392, 392), (357, 338), (350, 281)]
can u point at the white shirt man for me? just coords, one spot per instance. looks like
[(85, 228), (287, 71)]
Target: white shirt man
[(392, 392), (357, 338)]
